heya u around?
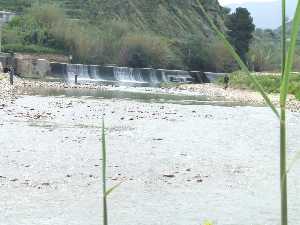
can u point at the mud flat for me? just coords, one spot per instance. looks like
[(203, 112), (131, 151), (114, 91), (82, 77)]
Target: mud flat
[(182, 163)]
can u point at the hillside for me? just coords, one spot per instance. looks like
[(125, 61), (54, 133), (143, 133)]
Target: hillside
[(137, 33), (174, 18)]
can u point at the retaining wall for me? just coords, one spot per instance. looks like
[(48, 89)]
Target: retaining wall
[(32, 68)]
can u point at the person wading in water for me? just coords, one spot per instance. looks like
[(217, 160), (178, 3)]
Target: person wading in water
[(226, 81)]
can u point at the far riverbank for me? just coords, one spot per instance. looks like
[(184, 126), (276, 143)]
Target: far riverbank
[(212, 91)]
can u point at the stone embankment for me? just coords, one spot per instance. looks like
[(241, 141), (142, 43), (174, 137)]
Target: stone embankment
[(8, 93)]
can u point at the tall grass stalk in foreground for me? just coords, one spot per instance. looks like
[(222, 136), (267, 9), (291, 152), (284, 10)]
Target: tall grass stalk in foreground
[(105, 192), (287, 64), (104, 196), (287, 68), (283, 36)]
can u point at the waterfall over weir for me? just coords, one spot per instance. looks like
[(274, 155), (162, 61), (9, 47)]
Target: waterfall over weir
[(113, 74)]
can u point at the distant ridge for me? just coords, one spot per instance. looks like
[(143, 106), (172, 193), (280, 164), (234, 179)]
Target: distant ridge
[(267, 14)]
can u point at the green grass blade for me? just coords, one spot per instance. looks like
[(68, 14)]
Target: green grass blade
[(290, 57), (105, 218), (283, 174), (283, 35), (293, 162), (238, 60), (109, 191)]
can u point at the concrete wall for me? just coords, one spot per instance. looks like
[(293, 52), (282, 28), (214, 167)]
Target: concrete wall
[(58, 70), (211, 76), (32, 68), (199, 77), (39, 68), (117, 74), (6, 60)]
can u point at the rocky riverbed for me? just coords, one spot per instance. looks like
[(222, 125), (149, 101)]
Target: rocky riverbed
[(181, 163)]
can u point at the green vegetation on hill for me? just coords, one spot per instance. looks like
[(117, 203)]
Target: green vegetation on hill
[(265, 51), (174, 18), (15, 5), (173, 34)]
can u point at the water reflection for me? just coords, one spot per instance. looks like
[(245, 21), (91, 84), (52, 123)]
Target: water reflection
[(134, 95)]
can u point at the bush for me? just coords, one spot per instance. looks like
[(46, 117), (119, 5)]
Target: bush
[(264, 57), (147, 51), (196, 54), (221, 58)]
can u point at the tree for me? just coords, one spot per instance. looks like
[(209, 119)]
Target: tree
[(240, 30)]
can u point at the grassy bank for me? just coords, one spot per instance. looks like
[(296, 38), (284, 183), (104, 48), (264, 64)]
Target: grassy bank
[(30, 49), (270, 83)]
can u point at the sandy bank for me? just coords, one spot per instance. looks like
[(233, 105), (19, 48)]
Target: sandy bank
[(246, 96)]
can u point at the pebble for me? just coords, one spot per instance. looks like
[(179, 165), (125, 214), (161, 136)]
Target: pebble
[(169, 175)]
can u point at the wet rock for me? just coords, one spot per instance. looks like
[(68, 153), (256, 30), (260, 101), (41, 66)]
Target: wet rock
[(157, 139), (169, 175), (208, 116)]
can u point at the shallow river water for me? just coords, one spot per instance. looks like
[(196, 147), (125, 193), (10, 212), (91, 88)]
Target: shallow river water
[(182, 163)]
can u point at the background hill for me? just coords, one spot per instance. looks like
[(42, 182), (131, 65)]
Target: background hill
[(174, 18), (137, 33)]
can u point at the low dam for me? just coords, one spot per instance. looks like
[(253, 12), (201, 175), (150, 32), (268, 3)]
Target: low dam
[(42, 68), (94, 73)]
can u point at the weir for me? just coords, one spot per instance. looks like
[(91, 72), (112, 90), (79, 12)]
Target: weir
[(41, 68), (96, 73)]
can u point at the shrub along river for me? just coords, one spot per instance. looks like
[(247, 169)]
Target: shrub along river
[(183, 161)]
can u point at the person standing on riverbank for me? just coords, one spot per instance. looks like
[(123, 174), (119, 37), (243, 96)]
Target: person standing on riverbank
[(11, 75), (226, 81)]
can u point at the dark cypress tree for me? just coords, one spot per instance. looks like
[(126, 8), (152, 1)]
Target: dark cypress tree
[(240, 30)]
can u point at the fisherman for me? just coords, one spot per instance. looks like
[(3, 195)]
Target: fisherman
[(11, 75), (226, 81)]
